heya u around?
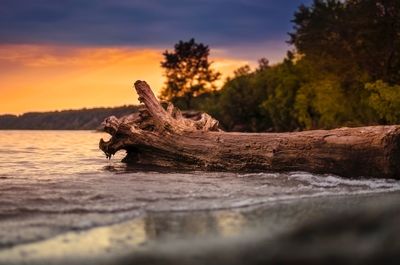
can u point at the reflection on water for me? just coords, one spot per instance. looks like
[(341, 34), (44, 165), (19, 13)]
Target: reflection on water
[(129, 235), (165, 228), (55, 182), (91, 243)]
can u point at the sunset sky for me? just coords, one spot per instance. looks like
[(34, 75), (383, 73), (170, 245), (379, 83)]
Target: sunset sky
[(72, 54)]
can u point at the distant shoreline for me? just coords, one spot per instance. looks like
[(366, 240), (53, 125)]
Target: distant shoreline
[(82, 119)]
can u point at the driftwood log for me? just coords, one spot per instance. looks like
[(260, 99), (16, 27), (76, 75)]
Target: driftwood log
[(161, 136)]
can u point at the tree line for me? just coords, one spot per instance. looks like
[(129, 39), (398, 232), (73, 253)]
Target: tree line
[(343, 70), (82, 119)]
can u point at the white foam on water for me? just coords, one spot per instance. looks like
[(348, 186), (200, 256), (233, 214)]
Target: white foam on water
[(336, 181)]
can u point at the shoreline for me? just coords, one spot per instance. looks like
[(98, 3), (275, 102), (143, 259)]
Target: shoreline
[(132, 239)]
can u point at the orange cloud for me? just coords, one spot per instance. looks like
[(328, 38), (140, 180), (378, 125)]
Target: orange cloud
[(42, 78)]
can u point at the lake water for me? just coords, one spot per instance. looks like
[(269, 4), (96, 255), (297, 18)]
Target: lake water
[(54, 182)]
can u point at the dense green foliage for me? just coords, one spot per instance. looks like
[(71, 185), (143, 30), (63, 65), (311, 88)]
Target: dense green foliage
[(188, 72), (344, 71), (385, 100)]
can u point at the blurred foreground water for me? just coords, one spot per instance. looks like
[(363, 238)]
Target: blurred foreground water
[(56, 187)]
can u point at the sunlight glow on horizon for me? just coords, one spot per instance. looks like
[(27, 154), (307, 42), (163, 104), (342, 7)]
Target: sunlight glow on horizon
[(48, 78)]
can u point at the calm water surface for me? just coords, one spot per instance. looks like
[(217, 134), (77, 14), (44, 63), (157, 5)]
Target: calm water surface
[(52, 182)]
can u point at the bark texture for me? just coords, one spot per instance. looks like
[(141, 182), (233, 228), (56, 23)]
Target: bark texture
[(160, 135)]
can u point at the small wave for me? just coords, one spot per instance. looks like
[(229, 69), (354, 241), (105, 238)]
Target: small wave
[(73, 210), (98, 197), (260, 174), (327, 181), (53, 200), (249, 202), (15, 188)]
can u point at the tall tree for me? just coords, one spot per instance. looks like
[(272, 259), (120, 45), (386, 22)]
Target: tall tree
[(345, 44), (188, 72), (352, 35)]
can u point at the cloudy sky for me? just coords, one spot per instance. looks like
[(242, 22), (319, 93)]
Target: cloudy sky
[(62, 54)]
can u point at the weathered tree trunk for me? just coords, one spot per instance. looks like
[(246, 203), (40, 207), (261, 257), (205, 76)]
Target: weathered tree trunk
[(158, 136)]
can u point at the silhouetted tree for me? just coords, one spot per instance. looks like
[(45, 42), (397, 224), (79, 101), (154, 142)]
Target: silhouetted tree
[(263, 64), (188, 72)]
